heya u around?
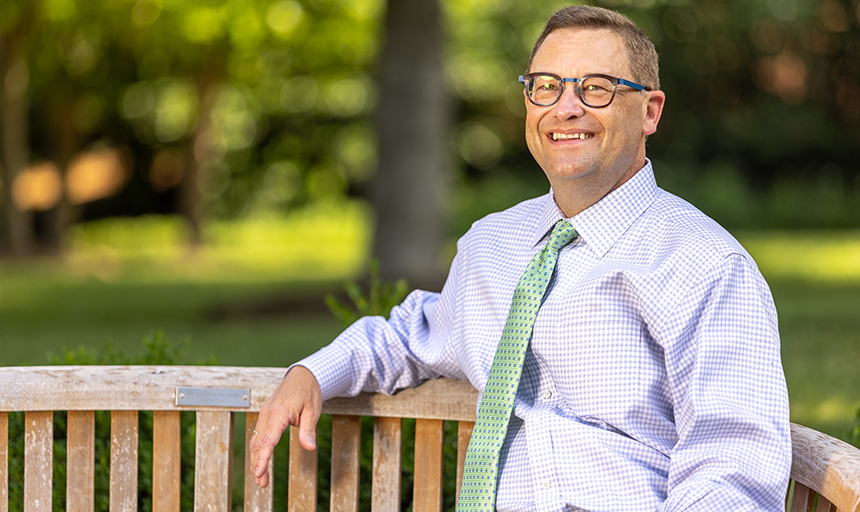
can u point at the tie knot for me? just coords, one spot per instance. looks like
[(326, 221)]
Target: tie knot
[(561, 235)]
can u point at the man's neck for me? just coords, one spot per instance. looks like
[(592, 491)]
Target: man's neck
[(576, 196)]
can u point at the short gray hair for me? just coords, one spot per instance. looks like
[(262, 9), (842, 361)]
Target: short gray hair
[(644, 62)]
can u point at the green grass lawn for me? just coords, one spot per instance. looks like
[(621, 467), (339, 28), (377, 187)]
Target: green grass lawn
[(815, 279), (122, 279)]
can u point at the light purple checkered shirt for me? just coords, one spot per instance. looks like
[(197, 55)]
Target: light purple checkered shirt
[(653, 380)]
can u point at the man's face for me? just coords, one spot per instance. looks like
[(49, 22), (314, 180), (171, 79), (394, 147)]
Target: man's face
[(588, 150)]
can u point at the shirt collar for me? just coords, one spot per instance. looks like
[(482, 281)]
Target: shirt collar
[(601, 224)]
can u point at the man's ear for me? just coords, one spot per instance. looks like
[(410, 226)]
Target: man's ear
[(653, 110)]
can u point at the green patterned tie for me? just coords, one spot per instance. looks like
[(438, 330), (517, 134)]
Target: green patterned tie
[(480, 472)]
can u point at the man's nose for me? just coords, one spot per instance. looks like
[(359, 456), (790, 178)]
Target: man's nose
[(569, 104)]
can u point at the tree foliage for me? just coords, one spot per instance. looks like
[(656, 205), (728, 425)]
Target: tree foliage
[(233, 108)]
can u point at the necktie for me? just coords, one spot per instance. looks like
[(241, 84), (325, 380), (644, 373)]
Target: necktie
[(480, 472)]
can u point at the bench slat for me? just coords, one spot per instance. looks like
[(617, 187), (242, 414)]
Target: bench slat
[(38, 459), (80, 472), (803, 499), (257, 499), (427, 486), (345, 462), (824, 505), (123, 461), (126, 388), (213, 461), (421, 402), (464, 434), (4, 461), (166, 463), (387, 455), (302, 492)]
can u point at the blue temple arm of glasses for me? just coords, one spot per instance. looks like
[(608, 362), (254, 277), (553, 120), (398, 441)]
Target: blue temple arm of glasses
[(631, 84)]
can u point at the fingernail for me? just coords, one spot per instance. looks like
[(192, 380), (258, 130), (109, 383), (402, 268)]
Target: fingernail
[(310, 442)]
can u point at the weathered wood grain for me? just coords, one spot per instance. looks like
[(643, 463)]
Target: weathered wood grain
[(302, 492), (213, 466), (438, 399), (345, 462), (166, 463), (38, 458), (153, 388), (387, 446), (427, 487), (464, 435), (80, 461), (4, 461), (125, 388), (123, 461), (828, 465)]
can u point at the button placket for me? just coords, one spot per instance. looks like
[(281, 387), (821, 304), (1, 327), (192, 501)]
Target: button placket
[(541, 459)]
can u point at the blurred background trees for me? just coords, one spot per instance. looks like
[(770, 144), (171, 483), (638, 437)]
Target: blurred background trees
[(254, 108)]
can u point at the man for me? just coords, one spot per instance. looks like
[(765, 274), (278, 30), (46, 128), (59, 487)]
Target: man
[(652, 379)]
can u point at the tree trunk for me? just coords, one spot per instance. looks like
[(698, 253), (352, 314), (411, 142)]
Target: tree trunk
[(65, 143), (199, 152), (413, 123), (17, 226)]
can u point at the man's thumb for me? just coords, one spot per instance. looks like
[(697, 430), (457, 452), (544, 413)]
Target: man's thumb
[(308, 432)]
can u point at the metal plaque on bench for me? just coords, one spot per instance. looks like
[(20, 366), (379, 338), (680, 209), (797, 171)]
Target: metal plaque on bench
[(213, 397)]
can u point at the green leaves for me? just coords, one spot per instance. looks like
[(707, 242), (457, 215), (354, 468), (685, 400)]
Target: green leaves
[(381, 296)]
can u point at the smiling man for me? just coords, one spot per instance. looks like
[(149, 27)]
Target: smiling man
[(625, 346)]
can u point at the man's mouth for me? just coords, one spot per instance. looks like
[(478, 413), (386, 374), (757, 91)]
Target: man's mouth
[(571, 136)]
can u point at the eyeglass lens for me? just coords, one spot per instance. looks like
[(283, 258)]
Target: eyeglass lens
[(595, 91)]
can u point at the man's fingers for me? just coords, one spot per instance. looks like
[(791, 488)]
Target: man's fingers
[(298, 402), (261, 466), (264, 438)]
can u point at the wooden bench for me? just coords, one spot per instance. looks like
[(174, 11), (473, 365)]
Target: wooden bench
[(825, 471)]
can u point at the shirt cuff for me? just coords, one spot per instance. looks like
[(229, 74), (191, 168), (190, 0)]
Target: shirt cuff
[(332, 368)]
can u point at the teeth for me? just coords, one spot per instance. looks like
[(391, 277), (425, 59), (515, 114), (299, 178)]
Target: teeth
[(568, 136)]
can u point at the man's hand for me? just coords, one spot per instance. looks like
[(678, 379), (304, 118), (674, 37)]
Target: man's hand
[(296, 402)]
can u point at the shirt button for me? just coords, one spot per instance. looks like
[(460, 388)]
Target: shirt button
[(547, 394), (546, 485)]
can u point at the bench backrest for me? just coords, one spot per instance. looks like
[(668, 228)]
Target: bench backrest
[(216, 394)]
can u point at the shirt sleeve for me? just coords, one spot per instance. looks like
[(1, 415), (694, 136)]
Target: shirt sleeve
[(383, 355), (730, 399)]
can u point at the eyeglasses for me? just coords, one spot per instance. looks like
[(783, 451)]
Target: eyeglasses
[(595, 91)]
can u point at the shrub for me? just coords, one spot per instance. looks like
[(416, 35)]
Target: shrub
[(380, 297)]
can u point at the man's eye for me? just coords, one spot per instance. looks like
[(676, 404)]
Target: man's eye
[(548, 87)]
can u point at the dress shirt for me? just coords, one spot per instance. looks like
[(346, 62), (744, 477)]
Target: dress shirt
[(653, 379)]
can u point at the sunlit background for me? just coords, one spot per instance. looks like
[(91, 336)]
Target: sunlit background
[(213, 168)]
